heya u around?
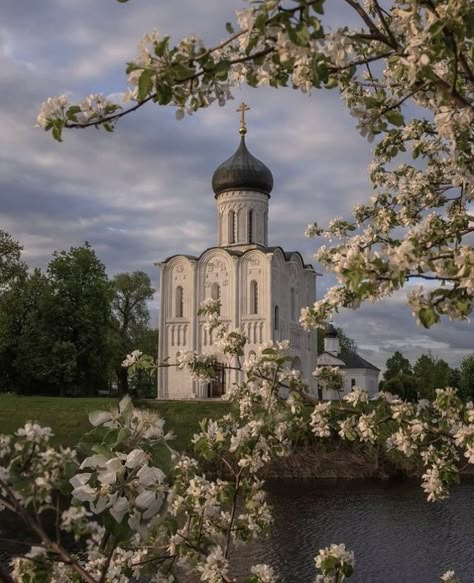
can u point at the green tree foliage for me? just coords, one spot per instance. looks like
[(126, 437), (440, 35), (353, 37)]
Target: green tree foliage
[(431, 374), (403, 384), (11, 264), (82, 298), (421, 380), (55, 326), (466, 383), (26, 347), (131, 314), (397, 364)]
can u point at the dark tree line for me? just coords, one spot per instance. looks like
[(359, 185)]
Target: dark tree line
[(66, 331), (428, 373)]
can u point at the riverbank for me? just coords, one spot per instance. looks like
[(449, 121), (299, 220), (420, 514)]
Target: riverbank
[(318, 459)]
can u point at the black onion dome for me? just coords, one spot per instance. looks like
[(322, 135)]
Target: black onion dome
[(242, 171), (331, 332)]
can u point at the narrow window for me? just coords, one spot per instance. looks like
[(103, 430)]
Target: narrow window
[(179, 302), (276, 319), (250, 226), (231, 227), (253, 297), (265, 228), (216, 293), (293, 303), (353, 384)]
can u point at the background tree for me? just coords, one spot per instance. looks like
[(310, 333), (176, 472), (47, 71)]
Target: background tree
[(26, 345), (455, 378), (431, 374), (466, 383), (395, 365), (11, 264), (347, 344), (404, 385), (80, 319), (130, 310)]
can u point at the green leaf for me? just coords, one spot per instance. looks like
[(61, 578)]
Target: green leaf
[(182, 72), (268, 351), (103, 450), (428, 317), (162, 46), (395, 117), (122, 436), (145, 83), (164, 94), (319, 7), (72, 111), (229, 28), (221, 70), (120, 531)]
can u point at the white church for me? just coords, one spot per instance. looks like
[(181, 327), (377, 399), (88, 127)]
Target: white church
[(261, 288)]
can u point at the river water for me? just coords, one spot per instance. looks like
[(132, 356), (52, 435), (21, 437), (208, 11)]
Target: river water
[(397, 536)]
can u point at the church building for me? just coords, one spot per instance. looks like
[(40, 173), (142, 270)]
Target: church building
[(261, 288), (357, 372)]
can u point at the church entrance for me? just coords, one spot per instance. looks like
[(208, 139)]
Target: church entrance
[(216, 388)]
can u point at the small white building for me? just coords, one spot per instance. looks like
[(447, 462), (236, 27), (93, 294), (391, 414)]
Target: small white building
[(357, 371), (261, 288)]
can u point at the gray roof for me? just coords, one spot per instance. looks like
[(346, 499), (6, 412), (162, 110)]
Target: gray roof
[(353, 360), (242, 171)]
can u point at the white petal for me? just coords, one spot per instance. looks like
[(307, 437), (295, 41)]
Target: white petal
[(145, 499), (99, 417), (84, 493), (80, 480), (94, 461), (136, 458), (154, 508), (101, 505), (148, 476), (125, 404), (119, 509)]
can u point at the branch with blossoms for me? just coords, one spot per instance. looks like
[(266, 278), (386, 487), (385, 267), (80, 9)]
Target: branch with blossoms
[(417, 222), (140, 508)]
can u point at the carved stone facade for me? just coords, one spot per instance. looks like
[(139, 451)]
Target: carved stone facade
[(261, 289), (253, 286)]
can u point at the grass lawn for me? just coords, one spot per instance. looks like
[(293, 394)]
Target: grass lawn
[(68, 417)]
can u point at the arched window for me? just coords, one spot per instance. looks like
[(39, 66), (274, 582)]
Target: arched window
[(250, 226), (353, 384), (276, 318), (179, 302), (293, 303), (232, 227), (216, 293), (253, 297)]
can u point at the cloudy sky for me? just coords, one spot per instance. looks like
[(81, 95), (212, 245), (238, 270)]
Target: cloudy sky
[(144, 193)]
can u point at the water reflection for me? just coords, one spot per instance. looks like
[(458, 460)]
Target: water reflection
[(396, 535)]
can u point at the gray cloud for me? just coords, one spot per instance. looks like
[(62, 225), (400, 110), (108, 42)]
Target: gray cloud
[(143, 193)]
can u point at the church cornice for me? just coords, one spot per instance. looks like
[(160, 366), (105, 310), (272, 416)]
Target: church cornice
[(287, 255)]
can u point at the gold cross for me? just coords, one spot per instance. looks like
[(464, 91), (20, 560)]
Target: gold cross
[(243, 107)]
